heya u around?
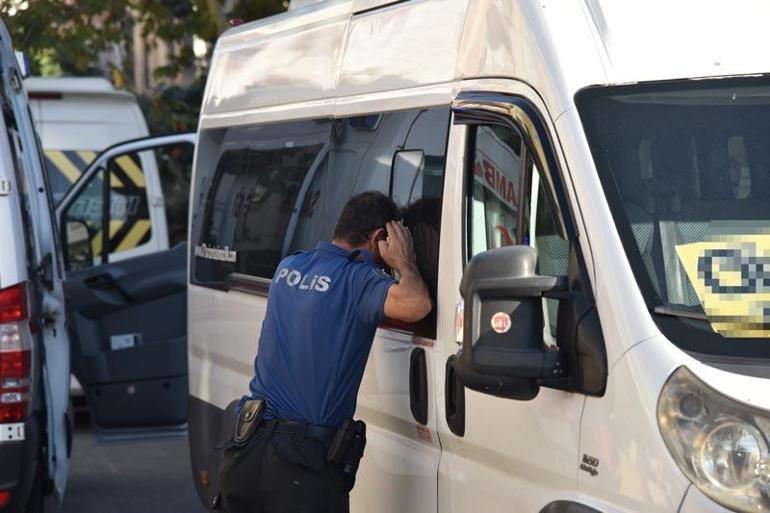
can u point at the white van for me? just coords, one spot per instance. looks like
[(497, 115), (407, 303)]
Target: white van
[(76, 118), (589, 180), (34, 350)]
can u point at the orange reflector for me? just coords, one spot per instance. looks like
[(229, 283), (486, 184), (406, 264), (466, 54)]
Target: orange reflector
[(203, 477), (5, 498)]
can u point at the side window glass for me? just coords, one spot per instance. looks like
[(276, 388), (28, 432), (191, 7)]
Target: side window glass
[(418, 186), (494, 191), (64, 168), (262, 188), (110, 215), (267, 191), (175, 168), (543, 235), (129, 214), (83, 223)]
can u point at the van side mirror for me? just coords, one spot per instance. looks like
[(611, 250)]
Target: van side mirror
[(503, 351)]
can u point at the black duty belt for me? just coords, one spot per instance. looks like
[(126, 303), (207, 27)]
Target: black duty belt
[(300, 429)]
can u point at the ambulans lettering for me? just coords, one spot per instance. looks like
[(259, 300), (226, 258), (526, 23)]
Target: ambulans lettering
[(493, 178), (295, 278)]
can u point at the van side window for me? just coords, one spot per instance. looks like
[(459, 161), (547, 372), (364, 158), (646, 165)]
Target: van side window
[(174, 168), (508, 204), (267, 191), (108, 218), (129, 215), (494, 191), (260, 188), (400, 154), (541, 232), (64, 167)]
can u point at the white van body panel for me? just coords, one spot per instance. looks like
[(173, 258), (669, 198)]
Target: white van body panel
[(56, 371), (696, 501), (423, 53), (13, 262), (220, 363), (627, 417), (89, 114)]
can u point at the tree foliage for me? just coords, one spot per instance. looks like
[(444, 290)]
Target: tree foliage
[(68, 36)]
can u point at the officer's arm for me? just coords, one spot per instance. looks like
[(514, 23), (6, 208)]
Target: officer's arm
[(408, 300)]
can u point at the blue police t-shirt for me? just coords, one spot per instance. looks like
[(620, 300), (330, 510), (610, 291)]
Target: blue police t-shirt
[(322, 312)]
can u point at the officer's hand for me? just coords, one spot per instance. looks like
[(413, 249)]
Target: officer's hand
[(398, 249)]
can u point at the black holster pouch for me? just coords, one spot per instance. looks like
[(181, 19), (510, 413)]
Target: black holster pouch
[(347, 447), (247, 421)]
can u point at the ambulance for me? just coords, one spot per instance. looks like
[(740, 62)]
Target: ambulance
[(587, 186)]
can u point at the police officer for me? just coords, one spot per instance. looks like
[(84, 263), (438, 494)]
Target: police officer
[(322, 312)]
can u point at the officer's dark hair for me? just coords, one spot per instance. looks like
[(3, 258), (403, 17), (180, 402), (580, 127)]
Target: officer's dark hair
[(363, 214)]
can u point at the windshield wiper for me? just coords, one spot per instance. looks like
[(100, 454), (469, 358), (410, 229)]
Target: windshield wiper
[(680, 311)]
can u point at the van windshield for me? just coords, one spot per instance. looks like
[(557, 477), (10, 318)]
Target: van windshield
[(686, 170)]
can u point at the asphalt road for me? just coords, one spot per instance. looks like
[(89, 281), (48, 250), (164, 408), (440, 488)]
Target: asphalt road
[(134, 475)]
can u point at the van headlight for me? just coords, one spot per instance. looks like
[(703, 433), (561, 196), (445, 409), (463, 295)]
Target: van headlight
[(719, 443)]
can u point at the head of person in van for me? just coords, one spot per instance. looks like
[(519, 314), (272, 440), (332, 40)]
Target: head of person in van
[(361, 224), (423, 218)]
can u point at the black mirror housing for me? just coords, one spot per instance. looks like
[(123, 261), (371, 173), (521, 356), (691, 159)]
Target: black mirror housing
[(503, 352)]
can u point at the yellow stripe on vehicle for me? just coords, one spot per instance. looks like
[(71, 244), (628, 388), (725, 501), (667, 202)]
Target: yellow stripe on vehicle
[(137, 233), (133, 171), (96, 245), (115, 226), (63, 164), (87, 156)]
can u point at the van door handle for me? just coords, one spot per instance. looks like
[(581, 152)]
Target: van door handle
[(454, 397), (108, 282), (418, 385)]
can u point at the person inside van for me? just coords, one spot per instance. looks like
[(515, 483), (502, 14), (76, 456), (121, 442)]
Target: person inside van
[(296, 446)]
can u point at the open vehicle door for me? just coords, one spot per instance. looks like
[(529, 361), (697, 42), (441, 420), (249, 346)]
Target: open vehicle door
[(123, 227)]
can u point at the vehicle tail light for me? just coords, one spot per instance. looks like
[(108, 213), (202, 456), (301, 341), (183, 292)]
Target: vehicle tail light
[(5, 498), (13, 304), (15, 355)]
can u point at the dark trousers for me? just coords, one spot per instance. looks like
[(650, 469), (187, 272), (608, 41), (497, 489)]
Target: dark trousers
[(278, 472)]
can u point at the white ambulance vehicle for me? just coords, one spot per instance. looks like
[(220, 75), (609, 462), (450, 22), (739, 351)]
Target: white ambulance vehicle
[(589, 179)]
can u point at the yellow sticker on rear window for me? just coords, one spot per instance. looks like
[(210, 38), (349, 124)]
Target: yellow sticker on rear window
[(730, 273)]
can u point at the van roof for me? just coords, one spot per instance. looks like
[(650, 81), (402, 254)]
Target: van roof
[(75, 86), (329, 53)]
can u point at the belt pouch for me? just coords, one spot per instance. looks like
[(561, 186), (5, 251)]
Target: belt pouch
[(340, 443), (355, 449), (248, 419)]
